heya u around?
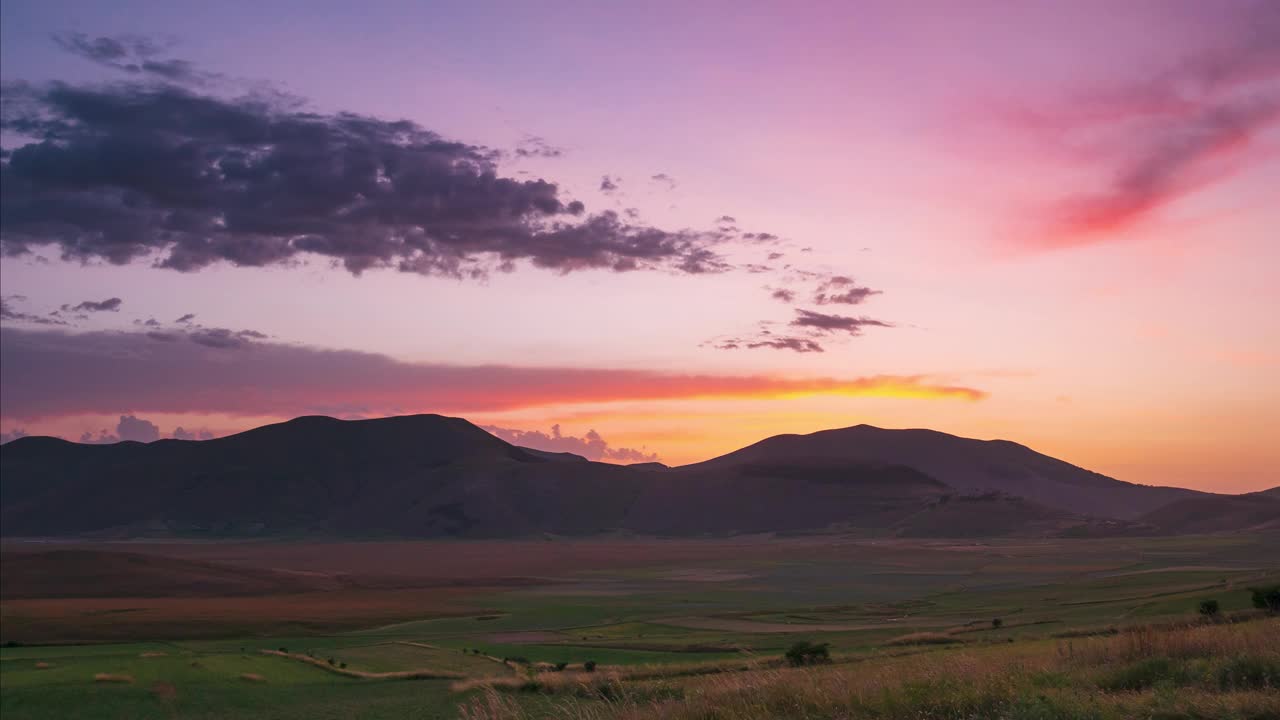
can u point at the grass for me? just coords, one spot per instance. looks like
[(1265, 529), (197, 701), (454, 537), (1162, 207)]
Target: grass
[(880, 604), (1215, 671)]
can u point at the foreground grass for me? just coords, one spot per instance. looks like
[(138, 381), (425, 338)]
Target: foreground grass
[(1228, 671)]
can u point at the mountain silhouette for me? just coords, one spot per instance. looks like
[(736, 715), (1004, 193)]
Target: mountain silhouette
[(435, 476)]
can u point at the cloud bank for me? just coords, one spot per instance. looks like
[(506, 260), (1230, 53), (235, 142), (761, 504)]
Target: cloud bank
[(48, 373), (128, 172)]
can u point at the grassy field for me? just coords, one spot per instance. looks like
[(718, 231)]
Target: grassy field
[(698, 621)]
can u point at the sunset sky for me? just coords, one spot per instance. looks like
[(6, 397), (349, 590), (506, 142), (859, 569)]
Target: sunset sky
[(639, 230)]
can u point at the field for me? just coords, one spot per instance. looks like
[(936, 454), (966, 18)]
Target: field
[(503, 629)]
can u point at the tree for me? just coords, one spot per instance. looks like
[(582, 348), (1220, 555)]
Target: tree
[(997, 623), (1209, 608), (807, 653), (589, 666), (1267, 598)]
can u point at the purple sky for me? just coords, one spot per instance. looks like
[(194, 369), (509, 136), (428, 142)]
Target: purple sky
[(701, 225)]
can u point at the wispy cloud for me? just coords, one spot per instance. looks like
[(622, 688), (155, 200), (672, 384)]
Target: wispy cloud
[(1195, 122)]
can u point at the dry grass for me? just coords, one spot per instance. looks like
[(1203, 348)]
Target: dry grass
[(43, 666), (924, 638), (1196, 640), (252, 677), (419, 674), (153, 654), (112, 678), (1037, 679)]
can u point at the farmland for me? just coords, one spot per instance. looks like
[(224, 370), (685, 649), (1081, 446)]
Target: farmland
[(394, 629)]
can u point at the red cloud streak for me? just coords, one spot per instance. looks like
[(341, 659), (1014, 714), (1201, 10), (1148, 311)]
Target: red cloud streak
[(51, 374)]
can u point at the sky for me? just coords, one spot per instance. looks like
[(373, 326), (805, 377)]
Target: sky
[(655, 231)]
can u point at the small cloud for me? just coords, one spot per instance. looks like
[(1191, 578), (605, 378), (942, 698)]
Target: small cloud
[(12, 435), (9, 312), (186, 318), (590, 446), (609, 185), (137, 429), (108, 305), (664, 180), (824, 323), (534, 146), (842, 290), (783, 295), (133, 54), (180, 434)]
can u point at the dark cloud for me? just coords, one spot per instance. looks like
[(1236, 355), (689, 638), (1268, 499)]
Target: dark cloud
[(591, 446), (664, 180), (534, 146), (186, 318), (783, 294), (108, 305), (798, 344), (49, 373), (123, 173), (129, 428), (134, 54), (134, 428), (609, 185), (823, 323), (842, 290), (222, 338), (11, 313)]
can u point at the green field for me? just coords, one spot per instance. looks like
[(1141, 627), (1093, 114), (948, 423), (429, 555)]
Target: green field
[(856, 595)]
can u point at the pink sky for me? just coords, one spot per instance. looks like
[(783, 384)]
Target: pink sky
[(1069, 211)]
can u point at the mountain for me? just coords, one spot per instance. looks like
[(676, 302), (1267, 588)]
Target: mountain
[(968, 466), (434, 476), (1217, 513)]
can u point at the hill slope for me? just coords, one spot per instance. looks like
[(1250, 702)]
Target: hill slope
[(969, 466)]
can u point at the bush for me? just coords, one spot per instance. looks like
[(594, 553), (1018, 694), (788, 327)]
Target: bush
[(1267, 598), (997, 623), (560, 666), (589, 666), (1249, 672), (342, 665), (284, 650), (1209, 608), (807, 653)]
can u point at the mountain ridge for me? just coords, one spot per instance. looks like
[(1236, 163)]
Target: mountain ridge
[(437, 476)]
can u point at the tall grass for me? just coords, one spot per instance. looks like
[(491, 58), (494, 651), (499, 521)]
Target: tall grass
[(1206, 671)]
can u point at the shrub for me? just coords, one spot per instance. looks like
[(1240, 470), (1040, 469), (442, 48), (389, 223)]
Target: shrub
[(1267, 598), (284, 650), (996, 623), (332, 662), (342, 665), (807, 653), (589, 666), (560, 666), (1249, 672), (1209, 608)]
